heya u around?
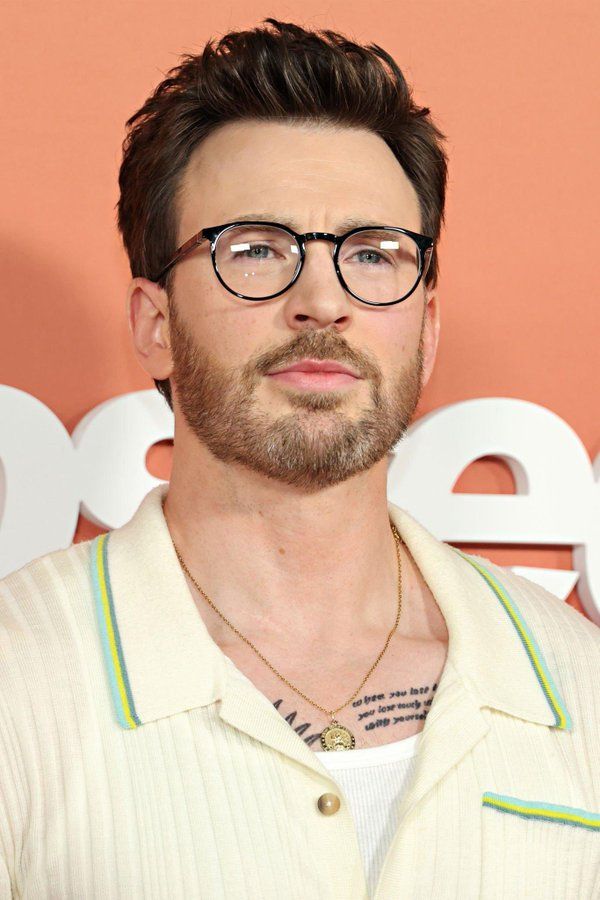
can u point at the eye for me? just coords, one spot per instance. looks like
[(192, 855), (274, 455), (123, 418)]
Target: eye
[(264, 244), (370, 256), (379, 249), (251, 251)]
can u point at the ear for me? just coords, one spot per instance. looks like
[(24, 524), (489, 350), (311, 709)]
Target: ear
[(148, 320), (431, 332)]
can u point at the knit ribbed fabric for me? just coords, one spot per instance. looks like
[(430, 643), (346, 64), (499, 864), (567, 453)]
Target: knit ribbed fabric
[(372, 780), (138, 763)]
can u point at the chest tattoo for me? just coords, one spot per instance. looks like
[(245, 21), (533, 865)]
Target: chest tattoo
[(373, 710)]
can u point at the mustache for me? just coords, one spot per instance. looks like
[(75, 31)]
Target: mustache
[(317, 345)]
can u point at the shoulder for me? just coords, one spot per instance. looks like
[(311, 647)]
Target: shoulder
[(551, 614), (41, 589), (46, 614), (46, 644)]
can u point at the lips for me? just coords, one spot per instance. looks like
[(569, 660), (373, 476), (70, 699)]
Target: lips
[(319, 366)]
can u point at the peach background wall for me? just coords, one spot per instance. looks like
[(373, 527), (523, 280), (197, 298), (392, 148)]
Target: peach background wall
[(514, 85)]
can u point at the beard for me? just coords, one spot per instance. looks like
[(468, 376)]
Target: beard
[(315, 445)]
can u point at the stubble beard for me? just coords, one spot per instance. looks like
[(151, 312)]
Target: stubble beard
[(315, 445)]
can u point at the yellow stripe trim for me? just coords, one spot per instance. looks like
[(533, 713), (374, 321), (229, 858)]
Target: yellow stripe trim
[(543, 813), (533, 655), (110, 631)]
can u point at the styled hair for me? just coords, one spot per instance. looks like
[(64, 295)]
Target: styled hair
[(278, 71)]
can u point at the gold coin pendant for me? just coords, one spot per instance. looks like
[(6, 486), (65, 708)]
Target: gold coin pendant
[(337, 737)]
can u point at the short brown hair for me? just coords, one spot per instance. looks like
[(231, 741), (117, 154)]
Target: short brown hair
[(276, 71)]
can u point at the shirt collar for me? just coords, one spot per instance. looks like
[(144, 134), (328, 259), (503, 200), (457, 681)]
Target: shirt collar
[(161, 660)]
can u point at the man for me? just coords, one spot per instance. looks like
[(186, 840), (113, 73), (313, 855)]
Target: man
[(172, 691)]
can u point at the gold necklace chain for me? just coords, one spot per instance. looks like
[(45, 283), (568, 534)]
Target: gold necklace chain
[(334, 736)]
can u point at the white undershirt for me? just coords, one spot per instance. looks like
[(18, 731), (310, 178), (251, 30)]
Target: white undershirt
[(373, 780)]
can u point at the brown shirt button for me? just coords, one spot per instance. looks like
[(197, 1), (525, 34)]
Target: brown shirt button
[(328, 804)]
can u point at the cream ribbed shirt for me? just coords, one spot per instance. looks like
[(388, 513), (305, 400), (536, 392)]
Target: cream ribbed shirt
[(373, 780), (138, 763)]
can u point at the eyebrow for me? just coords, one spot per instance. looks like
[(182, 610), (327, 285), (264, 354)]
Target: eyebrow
[(344, 225)]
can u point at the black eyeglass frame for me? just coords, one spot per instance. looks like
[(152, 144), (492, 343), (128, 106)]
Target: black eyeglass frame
[(424, 245)]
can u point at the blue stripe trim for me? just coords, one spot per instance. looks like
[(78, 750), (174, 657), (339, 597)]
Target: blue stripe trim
[(113, 617), (535, 655), (538, 809), (110, 637)]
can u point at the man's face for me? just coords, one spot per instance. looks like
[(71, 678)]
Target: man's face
[(223, 347)]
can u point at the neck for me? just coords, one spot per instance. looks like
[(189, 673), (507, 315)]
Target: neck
[(272, 557)]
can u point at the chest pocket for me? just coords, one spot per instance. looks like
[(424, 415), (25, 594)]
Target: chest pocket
[(536, 809), (533, 848)]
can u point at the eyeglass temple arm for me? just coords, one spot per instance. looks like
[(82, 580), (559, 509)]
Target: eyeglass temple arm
[(183, 251)]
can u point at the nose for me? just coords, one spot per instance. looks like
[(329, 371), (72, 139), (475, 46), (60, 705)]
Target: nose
[(317, 299)]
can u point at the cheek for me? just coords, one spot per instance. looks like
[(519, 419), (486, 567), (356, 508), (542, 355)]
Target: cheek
[(394, 336), (233, 333), (222, 324)]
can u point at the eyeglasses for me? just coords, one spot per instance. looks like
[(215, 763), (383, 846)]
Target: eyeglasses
[(377, 264)]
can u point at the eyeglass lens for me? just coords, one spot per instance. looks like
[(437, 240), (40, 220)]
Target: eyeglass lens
[(257, 261)]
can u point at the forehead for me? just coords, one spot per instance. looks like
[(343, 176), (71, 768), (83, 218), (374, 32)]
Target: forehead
[(315, 175)]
